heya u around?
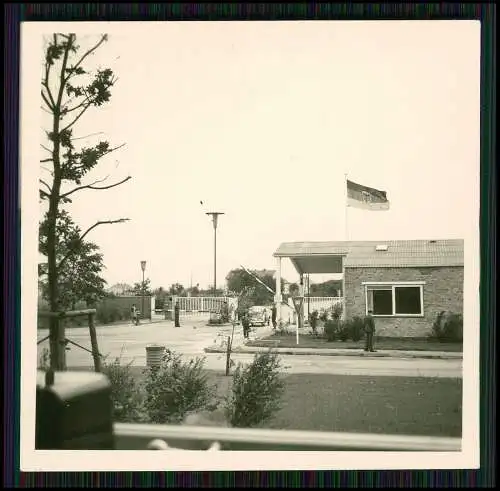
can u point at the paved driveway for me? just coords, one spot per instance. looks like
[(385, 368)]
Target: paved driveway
[(194, 335), (129, 341)]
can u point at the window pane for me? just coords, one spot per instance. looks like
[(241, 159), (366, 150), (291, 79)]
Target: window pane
[(408, 300), (382, 302)]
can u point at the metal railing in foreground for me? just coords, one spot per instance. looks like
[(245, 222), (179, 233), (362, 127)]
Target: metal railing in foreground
[(140, 436)]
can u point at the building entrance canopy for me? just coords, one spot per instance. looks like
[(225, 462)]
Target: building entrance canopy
[(313, 257)]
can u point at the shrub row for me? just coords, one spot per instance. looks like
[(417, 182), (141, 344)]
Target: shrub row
[(177, 389), (339, 330), (448, 328)]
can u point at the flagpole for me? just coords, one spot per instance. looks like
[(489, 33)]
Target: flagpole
[(346, 231)]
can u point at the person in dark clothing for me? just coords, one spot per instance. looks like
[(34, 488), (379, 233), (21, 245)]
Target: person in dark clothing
[(369, 331), (134, 314), (245, 322), (177, 315), (273, 316)]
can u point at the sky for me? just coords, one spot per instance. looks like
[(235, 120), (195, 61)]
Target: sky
[(261, 121)]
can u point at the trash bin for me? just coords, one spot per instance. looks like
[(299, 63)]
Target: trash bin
[(154, 354)]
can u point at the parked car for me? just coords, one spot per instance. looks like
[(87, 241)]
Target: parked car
[(259, 316)]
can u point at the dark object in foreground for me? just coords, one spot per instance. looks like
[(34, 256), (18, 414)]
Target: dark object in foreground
[(74, 411)]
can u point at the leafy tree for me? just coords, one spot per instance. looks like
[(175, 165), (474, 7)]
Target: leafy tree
[(68, 90), (326, 289), (161, 296), (177, 289), (142, 288), (194, 291), (239, 279), (79, 278)]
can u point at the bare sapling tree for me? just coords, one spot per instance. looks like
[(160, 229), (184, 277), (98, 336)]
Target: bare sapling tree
[(69, 89)]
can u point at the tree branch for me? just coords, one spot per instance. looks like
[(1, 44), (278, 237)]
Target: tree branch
[(87, 136), (99, 188), (67, 111), (90, 51), (45, 184), (62, 78), (97, 224), (80, 114), (45, 160), (45, 110), (44, 97), (45, 83)]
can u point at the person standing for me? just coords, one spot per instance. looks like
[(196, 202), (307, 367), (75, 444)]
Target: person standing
[(177, 315), (134, 315), (369, 325), (245, 322), (273, 316)]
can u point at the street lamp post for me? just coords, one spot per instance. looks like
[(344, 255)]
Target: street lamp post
[(215, 216), (143, 267)]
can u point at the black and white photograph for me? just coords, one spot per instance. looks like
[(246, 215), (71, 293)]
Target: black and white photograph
[(241, 239)]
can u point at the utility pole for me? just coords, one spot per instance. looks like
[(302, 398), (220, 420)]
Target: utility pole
[(215, 217)]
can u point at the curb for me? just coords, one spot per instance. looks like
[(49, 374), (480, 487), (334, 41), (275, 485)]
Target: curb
[(333, 352)]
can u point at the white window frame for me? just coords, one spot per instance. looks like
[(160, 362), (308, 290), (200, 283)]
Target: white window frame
[(392, 285)]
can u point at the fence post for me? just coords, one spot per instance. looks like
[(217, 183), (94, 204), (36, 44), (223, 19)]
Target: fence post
[(228, 356), (57, 344), (93, 341)]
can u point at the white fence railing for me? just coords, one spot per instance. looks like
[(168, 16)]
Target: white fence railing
[(203, 305), (320, 303), (140, 437), (311, 304)]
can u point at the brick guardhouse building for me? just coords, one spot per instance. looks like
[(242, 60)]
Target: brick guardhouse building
[(405, 282)]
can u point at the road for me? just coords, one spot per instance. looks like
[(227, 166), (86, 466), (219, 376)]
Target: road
[(129, 342)]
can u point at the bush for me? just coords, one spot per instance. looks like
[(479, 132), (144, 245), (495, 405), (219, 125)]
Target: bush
[(125, 393), (356, 328), (256, 391), (332, 329), (177, 388), (448, 327), (283, 329), (106, 314), (336, 311), (344, 331), (323, 315), (313, 320)]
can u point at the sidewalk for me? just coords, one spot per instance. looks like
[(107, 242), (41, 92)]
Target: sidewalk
[(443, 355)]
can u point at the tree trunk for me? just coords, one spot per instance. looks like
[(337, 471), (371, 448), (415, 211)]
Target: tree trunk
[(52, 285), (57, 351)]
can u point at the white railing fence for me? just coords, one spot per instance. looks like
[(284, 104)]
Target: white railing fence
[(165, 437), (202, 305), (311, 304), (320, 303)]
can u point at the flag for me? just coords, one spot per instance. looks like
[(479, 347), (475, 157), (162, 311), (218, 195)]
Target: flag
[(359, 196)]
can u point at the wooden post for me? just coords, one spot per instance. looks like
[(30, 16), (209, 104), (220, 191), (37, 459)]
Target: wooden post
[(93, 341), (54, 351), (57, 344), (228, 356)]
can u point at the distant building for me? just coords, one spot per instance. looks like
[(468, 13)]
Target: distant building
[(405, 282)]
